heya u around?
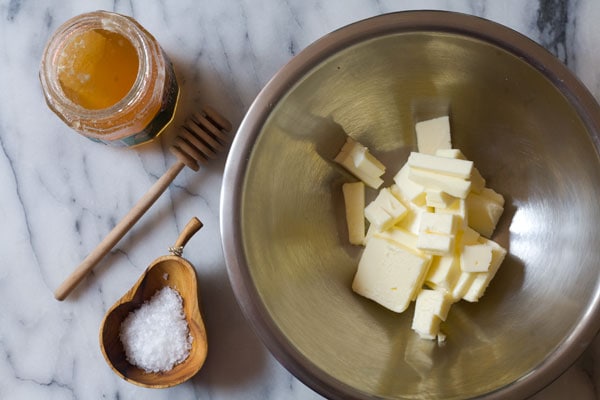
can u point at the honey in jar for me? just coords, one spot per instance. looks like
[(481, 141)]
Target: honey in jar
[(105, 76)]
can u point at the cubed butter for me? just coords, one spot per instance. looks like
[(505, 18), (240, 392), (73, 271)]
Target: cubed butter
[(389, 274), (436, 302), (458, 208), (354, 201), (467, 236), (431, 308), (356, 158), (477, 181), (400, 236), (493, 195), (438, 199), (451, 153), (433, 134), (426, 325), (462, 285), (443, 272), (385, 211), (452, 185), (482, 280), (426, 229), (435, 244), (441, 165), (412, 220), (371, 231), (484, 211), (439, 223), (407, 189), (476, 258)]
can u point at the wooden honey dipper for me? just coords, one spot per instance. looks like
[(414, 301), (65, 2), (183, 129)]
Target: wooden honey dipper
[(200, 139)]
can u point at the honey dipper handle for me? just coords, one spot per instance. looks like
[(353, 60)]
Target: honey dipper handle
[(113, 237)]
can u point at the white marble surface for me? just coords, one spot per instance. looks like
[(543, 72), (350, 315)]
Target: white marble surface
[(60, 193)]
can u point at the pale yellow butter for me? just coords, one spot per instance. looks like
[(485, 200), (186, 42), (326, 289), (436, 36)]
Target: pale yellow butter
[(440, 223), (482, 280), (443, 272), (407, 189), (476, 258), (385, 211), (433, 134), (400, 236), (354, 201), (484, 211), (389, 274), (431, 307), (438, 199), (435, 244), (356, 158), (426, 229), (441, 165), (454, 186), (458, 208)]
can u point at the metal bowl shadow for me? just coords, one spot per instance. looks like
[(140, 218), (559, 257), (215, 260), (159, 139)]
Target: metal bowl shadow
[(530, 127)]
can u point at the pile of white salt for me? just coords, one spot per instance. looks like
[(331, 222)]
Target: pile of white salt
[(156, 336)]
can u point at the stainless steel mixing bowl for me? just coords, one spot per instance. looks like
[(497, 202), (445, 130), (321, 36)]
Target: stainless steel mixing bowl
[(530, 127)]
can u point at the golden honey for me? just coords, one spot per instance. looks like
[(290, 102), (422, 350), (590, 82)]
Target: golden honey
[(97, 68), (106, 77)]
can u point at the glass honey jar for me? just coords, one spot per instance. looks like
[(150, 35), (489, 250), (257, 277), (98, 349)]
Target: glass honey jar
[(107, 78)]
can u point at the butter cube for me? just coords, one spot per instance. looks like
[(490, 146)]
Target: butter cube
[(431, 307), (493, 195), (397, 235), (439, 223), (476, 258), (412, 219), (484, 211), (371, 232), (435, 302), (354, 201), (389, 274), (477, 181), (438, 199), (482, 280), (443, 272), (362, 158), (450, 153), (426, 325), (441, 165), (452, 185), (437, 233), (458, 208), (407, 189), (356, 158), (400, 236), (462, 285), (433, 134), (385, 211), (435, 244), (467, 236)]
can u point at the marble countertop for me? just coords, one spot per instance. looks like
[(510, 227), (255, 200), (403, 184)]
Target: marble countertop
[(61, 193)]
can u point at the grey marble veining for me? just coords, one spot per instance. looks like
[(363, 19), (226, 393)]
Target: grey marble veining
[(60, 194)]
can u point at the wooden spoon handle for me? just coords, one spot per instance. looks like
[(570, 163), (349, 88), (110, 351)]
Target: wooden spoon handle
[(118, 231), (188, 231)]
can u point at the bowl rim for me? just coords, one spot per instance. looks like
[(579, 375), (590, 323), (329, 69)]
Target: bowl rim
[(456, 23)]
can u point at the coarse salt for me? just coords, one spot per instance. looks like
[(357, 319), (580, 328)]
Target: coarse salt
[(156, 336)]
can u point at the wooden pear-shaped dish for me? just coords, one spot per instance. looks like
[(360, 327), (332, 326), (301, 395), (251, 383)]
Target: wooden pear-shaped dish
[(177, 273)]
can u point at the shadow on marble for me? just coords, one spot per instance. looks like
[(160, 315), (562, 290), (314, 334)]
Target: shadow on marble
[(235, 354)]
